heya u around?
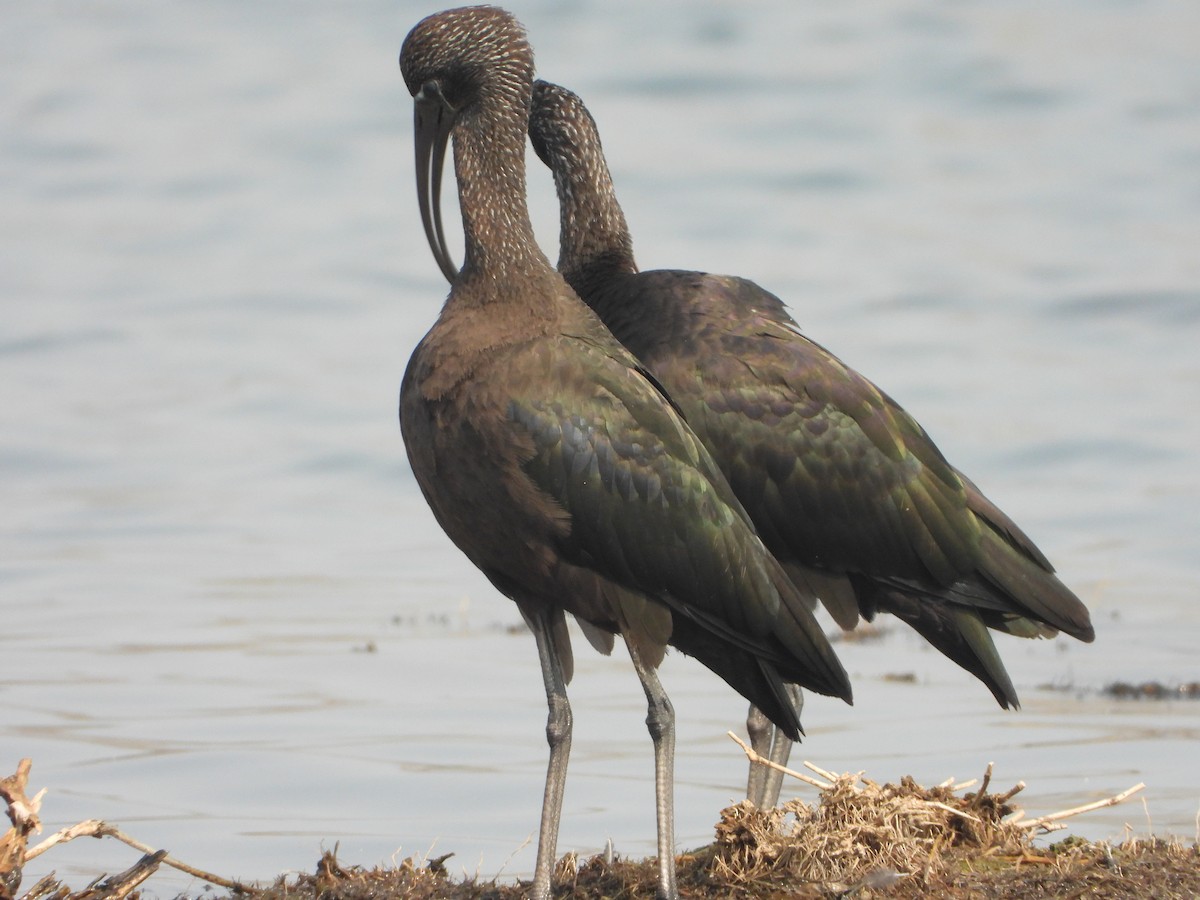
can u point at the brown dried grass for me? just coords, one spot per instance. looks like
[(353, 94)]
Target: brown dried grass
[(873, 840), (860, 832)]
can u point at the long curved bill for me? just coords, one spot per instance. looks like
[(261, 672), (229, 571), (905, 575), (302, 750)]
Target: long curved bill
[(432, 122)]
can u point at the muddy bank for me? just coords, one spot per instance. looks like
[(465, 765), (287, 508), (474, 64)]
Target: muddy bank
[(860, 838)]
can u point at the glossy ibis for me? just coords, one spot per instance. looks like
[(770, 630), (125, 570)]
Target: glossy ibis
[(845, 488), (554, 461)]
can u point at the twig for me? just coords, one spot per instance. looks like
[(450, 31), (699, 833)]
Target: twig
[(756, 758), (1087, 807), (97, 829), (829, 776), (931, 860), (120, 886), (22, 811), (987, 779), (88, 828), (1011, 792), (525, 843), (951, 809)]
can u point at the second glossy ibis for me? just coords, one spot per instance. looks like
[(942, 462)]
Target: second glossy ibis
[(845, 487)]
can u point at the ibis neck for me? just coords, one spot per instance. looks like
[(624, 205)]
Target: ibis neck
[(489, 161), (593, 233)]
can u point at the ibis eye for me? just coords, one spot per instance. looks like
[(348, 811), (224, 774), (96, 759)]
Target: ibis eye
[(432, 91)]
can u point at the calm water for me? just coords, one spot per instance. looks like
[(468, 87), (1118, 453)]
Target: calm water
[(230, 624)]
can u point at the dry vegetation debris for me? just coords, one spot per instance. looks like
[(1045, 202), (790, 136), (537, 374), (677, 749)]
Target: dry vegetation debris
[(860, 838)]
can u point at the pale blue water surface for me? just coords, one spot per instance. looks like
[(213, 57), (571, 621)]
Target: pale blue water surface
[(229, 623)]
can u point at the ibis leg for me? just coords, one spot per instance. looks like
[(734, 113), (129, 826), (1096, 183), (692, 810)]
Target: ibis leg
[(760, 730), (765, 782), (558, 735), (660, 720)]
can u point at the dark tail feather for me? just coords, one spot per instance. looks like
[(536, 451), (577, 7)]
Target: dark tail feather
[(960, 634), (1033, 589), (755, 679), (813, 662), (781, 711), (784, 632), (1012, 564), (834, 590)]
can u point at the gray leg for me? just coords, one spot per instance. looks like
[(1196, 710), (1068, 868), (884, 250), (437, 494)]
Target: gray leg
[(660, 719), (780, 749), (558, 735), (760, 729), (765, 782)]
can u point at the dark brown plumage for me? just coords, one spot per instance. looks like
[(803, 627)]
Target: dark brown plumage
[(551, 458), (846, 489)]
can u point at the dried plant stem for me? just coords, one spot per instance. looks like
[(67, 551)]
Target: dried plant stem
[(120, 886), (1011, 792), (756, 758), (22, 811), (828, 776), (87, 828), (1043, 821), (950, 809), (987, 779), (96, 828)]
